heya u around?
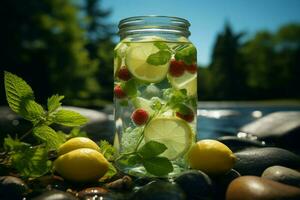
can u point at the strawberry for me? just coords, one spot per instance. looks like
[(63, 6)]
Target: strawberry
[(191, 68), (140, 116), (185, 112), (176, 68), (119, 93), (186, 117), (124, 74)]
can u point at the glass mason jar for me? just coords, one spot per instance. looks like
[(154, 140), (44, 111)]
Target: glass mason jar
[(155, 95)]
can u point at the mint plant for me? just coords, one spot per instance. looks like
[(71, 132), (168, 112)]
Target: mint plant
[(32, 161)]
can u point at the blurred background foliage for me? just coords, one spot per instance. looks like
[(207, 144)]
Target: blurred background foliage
[(66, 47)]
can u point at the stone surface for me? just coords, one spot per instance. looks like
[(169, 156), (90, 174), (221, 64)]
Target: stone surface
[(159, 190), (236, 143), (124, 183), (93, 192), (256, 188), (255, 161), (196, 184), (280, 128), (283, 175), (55, 195), (221, 183), (12, 187)]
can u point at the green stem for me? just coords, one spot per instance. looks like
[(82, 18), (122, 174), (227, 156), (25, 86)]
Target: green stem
[(26, 134)]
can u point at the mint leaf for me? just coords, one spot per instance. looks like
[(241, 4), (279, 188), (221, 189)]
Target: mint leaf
[(54, 102), (129, 87), (31, 162), (151, 149), (11, 144), (174, 96), (183, 109), (161, 45), (158, 166), (188, 54), (134, 159), (17, 90), (52, 139), (107, 149), (159, 58), (31, 111), (69, 118)]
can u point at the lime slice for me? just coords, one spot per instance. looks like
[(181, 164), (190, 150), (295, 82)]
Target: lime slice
[(136, 57), (187, 81), (173, 132), (145, 104)]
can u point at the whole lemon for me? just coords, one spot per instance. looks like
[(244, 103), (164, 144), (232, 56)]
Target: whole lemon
[(211, 157), (81, 165), (76, 143)]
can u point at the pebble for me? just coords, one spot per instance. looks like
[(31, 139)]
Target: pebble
[(255, 161), (196, 184), (221, 183), (283, 175), (252, 187), (280, 128), (236, 143), (92, 193), (159, 190), (12, 187), (55, 194)]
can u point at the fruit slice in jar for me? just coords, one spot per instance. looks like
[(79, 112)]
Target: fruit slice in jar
[(136, 61), (173, 132), (187, 81)]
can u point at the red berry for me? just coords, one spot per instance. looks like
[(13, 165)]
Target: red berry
[(139, 116), (191, 68), (119, 93), (188, 117), (176, 68), (124, 74)]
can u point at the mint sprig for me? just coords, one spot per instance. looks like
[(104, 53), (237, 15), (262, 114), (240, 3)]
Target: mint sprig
[(32, 161)]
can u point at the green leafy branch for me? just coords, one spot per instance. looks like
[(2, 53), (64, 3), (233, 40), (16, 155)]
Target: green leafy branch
[(32, 161)]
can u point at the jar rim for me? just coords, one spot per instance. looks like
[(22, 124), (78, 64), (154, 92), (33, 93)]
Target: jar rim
[(154, 23)]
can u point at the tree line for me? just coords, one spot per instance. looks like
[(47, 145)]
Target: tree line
[(264, 66), (66, 47)]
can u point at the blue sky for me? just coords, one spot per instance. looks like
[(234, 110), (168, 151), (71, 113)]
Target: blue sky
[(207, 18)]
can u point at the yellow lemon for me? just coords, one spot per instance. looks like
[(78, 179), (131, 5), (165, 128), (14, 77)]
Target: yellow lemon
[(211, 157), (76, 143), (81, 165)]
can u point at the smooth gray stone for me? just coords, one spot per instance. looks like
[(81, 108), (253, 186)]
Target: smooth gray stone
[(196, 184), (12, 187), (255, 161), (55, 195), (236, 143), (221, 183), (280, 128), (283, 175), (159, 190)]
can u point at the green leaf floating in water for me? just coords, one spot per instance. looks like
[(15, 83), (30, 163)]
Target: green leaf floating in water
[(158, 166), (159, 58), (151, 149), (187, 55)]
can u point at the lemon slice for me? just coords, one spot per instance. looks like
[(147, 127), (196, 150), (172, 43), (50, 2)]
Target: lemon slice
[(136, 62), (173, 132), (187, 81)]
